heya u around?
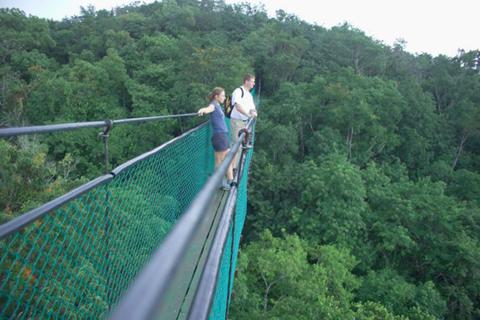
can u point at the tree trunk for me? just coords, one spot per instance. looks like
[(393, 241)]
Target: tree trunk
[(265, 298), (460, 149), (439, 102), (356, 64), (302, 140), (349, 142), (310, 125), (267, 290)]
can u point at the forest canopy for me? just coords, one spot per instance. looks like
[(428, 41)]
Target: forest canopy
[(365, 184)]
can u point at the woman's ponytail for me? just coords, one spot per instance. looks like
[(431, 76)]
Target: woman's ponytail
[(215, 92)]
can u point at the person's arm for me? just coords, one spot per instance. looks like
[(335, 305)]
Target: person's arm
[(241, 109), (206, 110), (253, 111)]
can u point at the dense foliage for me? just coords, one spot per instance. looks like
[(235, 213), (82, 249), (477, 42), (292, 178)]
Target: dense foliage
[(365, 186)]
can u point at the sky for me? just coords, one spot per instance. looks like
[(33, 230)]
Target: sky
[(431, 26)]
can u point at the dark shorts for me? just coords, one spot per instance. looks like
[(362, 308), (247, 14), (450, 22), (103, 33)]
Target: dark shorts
[(220, 141)]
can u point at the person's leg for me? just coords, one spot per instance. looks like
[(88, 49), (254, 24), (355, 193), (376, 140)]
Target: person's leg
[(219, 156), (230, 167), (220, 145), (228, 179), (236, 126)]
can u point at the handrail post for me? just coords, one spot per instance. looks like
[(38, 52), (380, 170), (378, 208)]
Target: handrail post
[(105, 135), (245, 146)]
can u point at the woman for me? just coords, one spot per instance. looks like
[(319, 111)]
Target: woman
[(219, 131)]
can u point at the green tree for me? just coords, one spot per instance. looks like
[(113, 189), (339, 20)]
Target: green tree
[(277, 281)]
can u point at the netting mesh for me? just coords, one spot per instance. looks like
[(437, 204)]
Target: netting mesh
[(220, 303), (229, 258), (76, 262)]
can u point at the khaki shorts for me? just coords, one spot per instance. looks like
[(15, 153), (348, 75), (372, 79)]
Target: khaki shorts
[(235, 127)]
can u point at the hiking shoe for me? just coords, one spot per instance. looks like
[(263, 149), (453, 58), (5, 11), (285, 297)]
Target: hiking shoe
[(225, 186)]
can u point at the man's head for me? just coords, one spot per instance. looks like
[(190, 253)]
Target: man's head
[(249, 81)]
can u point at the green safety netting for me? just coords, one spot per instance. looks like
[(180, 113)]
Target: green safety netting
[(76, 261), (229, 258)]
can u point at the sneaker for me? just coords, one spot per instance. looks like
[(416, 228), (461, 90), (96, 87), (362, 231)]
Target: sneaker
[(225, 186)]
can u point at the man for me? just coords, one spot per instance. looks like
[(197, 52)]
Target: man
[(243, 109)]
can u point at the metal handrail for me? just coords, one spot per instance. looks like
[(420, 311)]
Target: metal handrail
[(205, 293), (35, 214), (17, 131), (147, 295)]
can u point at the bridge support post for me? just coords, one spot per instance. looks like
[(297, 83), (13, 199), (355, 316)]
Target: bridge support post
[(105, 135)]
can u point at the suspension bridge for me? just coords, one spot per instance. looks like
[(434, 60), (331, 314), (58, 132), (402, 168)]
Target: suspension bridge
[(152, 238)]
